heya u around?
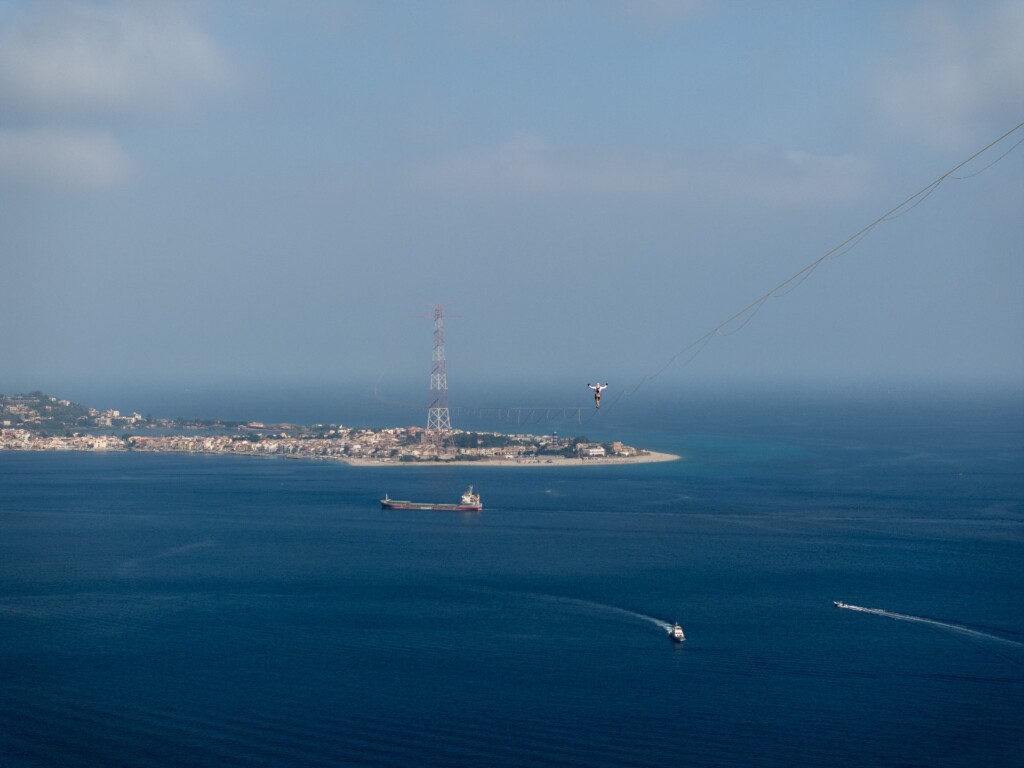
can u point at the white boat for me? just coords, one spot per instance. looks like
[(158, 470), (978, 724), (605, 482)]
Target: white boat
[(838, 603), (675, 633)]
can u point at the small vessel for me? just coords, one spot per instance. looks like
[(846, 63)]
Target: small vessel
[(470, 502), (675, 633), (838, 603)]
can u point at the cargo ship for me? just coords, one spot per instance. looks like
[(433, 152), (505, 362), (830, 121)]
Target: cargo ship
[(470, 502)]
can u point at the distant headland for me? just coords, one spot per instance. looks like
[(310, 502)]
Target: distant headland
[(41, 422)]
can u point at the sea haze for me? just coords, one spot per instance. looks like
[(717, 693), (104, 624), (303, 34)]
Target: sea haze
[(162, 610)]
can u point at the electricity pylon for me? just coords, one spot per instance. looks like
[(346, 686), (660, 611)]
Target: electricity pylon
[(439, 423)]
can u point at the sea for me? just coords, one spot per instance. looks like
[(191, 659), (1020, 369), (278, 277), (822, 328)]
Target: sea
[(175, 610)]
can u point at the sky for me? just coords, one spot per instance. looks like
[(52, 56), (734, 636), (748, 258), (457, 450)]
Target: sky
[(201, 194)]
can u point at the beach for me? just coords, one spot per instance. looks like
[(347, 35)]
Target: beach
[(648, 457)]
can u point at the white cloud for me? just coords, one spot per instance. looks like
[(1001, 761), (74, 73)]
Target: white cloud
[(794, 177), (63, 158), (75, 63), (521, 163), (958, 75), (84, 56), (528, 164)]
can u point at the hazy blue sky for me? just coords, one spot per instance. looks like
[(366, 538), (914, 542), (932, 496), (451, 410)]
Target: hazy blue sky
[(205, 192)]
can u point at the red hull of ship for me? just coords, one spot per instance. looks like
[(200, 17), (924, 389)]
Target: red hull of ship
[(437, 507)]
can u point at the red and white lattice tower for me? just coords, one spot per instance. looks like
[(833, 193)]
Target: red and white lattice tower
[(439, 423)]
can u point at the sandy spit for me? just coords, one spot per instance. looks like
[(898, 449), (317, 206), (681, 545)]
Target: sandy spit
[(552, 461)]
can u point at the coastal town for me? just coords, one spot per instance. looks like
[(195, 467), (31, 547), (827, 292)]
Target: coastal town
[(40, 422)]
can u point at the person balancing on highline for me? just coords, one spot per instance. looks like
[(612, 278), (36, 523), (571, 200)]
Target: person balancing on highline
[(597, 392)]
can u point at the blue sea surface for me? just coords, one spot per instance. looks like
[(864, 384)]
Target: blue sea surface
[(165, 610)]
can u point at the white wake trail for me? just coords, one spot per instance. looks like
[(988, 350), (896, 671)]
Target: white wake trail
[(922, 620), (604, 608)]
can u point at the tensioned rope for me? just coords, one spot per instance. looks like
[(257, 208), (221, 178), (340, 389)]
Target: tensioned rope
[(520, 414), (794, 281)]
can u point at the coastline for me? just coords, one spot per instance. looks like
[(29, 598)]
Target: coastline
[(650, 457), (39, 422), (357, 447)]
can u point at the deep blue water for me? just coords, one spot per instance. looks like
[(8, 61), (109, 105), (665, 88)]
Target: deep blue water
[(214, 611)]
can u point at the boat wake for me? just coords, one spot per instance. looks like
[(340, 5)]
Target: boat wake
[(933, 622), (130, 566), (605, 608)]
